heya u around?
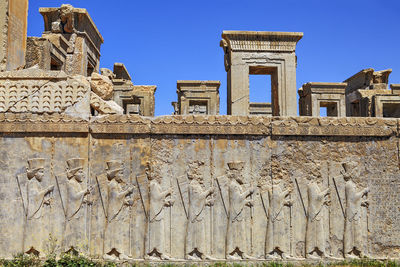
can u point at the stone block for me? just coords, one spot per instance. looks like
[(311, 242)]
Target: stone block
[(101, 85), (13, 29)]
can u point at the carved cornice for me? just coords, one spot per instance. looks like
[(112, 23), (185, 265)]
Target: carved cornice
[(120, 124), (44, 123), (200, 125), (314, 126), (224, 125), (260, 41)]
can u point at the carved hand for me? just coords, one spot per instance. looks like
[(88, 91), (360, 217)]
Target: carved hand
[(50, 189), (366, 190), (249, 203), (289, 203), (89, 190)]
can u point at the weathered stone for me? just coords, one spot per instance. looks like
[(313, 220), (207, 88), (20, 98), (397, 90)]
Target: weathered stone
[(84, 39), (81, 177), (274, 182), (198, 97), (104, 107), (102, 86), (314, 95), (13, 29), (265, 53)]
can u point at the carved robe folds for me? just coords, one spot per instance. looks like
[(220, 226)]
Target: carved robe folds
[(118, 218), (196, 228), (315, 235), (236, 237), (276, 234)]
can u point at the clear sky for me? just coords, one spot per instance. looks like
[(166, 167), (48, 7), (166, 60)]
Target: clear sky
[(162, 41)]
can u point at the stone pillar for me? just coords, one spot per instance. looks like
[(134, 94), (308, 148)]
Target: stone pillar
[(261, 53), (13, 30)]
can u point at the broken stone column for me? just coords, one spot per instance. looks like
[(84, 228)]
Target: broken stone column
[(13, 29)]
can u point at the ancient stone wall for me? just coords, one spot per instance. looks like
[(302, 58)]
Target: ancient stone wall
[(191, 187)]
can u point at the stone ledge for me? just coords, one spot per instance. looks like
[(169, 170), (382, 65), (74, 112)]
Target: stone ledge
[(38, 123), (190, 124), (325, 126)]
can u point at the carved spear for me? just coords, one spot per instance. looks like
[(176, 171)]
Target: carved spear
[(222, 197), (301, 197), (141, 197), (180, 193), (340, 200)]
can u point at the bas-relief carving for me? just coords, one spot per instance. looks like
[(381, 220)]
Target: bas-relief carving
[(116, 202), (276, 234), (199, 199), (36, 201), (160, 201), (74, 199), (239, 200), (318, 199), (117, 198), (352, 239)]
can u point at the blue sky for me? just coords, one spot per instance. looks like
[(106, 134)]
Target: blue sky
[(161, 42)]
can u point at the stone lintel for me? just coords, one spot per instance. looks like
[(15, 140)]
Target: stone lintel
[(323, 88), (260, 41), (195, 85), (144, 88), (360, 73), (121, 72)]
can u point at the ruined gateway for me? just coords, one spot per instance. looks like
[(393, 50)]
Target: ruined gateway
[(86, 168)]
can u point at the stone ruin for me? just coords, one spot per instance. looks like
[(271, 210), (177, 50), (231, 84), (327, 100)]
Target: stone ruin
[(87, 168)]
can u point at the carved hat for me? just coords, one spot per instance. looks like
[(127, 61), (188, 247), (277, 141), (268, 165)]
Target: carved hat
[(75, 164), (236, 165), (114, 166), (349, 166), (36, 163)]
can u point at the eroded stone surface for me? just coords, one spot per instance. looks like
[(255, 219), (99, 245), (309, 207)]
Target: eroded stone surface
[(291, 196)]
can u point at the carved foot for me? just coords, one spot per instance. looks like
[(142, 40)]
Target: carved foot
[(287, 257), (124, 257), (351, 256), (233, 258), (208, 257), (152, 258), (108, 257), (271, 257), (193, 258), (247, 257), (312, 257), (166, 257)]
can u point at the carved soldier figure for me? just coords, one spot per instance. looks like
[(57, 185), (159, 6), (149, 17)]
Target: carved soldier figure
[(238, 200), (276, 234), (75, 199), (119, 201), (37, 201), (352, 225), (159, 200), (199, 198), (315, 238)]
